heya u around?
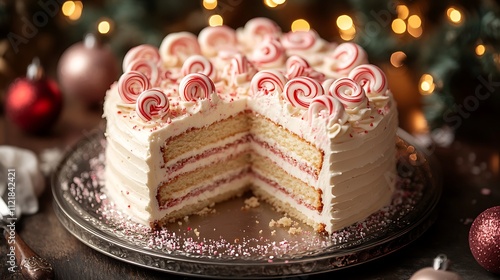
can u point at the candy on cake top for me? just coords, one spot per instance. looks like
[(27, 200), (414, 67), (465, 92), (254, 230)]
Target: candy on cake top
[(310, 77)]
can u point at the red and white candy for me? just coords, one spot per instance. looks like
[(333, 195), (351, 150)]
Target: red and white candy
[(212, 39), (144, 51), (177, 47), (346, 56), (348, 92), (325, 105), (196, 86), (301, 91), (371, 78), (131, 85), (260, 28), (147, 67), (296, 66), (198, 64), (267, 81), (152, 104), (240, 69), (268, 53), (299, 40)]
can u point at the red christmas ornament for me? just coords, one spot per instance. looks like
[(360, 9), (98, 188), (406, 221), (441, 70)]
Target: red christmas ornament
[(87, 69), (484, 239), (437, 272), (33, 103)]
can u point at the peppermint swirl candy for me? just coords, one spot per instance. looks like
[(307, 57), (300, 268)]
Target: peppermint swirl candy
[(347, 56), (144, 51), (299, 40), (348, 92), (330, 105), (215, 38), (240, 70), (131, 85), (326, 84), (296, 66), (267, 81), (268, 53), (301, 91), (177, 47), (152, 104), (371, 78), (260, 28), (147, 67), (196, 86), (198, 64)]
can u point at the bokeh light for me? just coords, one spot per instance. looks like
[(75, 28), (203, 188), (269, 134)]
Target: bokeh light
[(215, 20), (300, 25), (210, 4), (397, 59), (104, 27), (398, 26), (344, 22), (427, 85)]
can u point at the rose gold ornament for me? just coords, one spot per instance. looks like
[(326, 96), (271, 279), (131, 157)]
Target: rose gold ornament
[(87, 69), (437, 272), (484, 239)]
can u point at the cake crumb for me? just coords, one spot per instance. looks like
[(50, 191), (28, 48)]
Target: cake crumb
[(272, 223), (273, 233), (284, 222), (186, 218), (179, 223), (251, 202), (260, 231), (196, 232), (205, 211), (295, 230), (257, 222)]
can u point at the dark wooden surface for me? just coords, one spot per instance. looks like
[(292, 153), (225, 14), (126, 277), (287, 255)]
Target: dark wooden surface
[(468, 169)]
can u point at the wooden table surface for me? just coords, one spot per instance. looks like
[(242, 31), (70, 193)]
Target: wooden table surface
[(468, 169)]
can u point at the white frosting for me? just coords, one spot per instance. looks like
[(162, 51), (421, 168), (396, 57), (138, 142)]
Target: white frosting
[(358, 144)]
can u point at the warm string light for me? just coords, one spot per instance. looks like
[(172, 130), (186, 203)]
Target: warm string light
[(427, 84), (104, 27), (210, 4), (215, 20), (406, 22), (480, 49), (273, 3), (454, 15), (72, 9), (346, 27), (397, 59), (300, 25)]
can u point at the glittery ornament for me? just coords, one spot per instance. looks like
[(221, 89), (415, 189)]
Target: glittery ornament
[(87, 69), (437, 272), (484, 239), (33, 103)]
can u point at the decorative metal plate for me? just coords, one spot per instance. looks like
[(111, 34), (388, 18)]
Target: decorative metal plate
[(232, 240)]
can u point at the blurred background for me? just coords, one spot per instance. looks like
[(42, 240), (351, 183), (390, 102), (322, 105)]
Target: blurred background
[(442, 57)]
